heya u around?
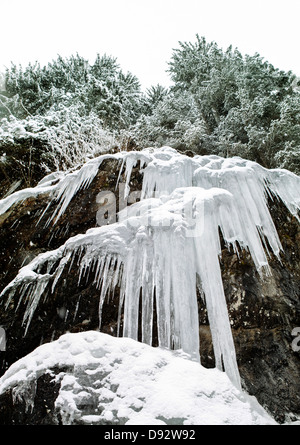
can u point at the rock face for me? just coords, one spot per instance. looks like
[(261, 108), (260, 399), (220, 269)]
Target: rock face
[(263, 311), (263, 315)]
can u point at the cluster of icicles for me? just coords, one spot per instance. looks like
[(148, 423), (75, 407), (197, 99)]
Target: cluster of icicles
[(166, 245)]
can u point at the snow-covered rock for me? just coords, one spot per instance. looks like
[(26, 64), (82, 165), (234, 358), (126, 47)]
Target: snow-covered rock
[(112, 381)]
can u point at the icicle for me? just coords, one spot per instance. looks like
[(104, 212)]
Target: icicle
[(76, 308), (71, 184), (60, 268), (33, 299)]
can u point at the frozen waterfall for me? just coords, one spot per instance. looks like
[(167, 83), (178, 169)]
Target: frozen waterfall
[(164, 247)]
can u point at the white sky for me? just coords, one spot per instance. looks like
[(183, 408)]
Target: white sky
[(142, 33)]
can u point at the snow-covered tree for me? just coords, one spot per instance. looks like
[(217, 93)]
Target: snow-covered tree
[(54, 116), (230, 104)]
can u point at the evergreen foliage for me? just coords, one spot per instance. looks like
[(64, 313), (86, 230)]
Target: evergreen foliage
[(57, 116), (229, 105), (101, 88)]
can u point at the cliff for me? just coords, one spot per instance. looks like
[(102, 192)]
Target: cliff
[(263, 308)]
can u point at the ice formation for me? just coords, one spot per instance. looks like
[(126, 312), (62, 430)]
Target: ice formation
[(168, 244)]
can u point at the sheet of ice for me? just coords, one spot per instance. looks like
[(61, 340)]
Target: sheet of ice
[(118, 380), (158, 256), (62, 187), (161, 244), (22, 195)]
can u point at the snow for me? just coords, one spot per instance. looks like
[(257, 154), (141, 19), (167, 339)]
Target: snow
[(22, 195), (168, 244), (120, 381)]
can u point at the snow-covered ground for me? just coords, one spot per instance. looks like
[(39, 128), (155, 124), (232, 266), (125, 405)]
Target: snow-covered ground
[(120, 381)]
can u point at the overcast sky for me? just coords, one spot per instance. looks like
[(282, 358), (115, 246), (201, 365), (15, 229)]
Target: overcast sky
[(142, 33)]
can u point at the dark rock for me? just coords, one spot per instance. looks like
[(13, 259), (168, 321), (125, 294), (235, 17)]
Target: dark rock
[(35, 405)]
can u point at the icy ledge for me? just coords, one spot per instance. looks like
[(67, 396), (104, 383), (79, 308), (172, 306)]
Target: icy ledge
[(120, 381), (164, 170)]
